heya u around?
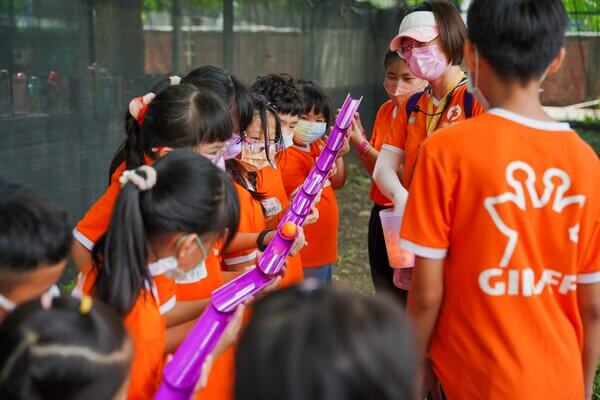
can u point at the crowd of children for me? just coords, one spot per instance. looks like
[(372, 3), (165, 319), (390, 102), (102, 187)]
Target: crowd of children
[(500, 205)]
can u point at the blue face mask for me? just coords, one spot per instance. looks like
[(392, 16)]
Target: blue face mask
[(308, 132)]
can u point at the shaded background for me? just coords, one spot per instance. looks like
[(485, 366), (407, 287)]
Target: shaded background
[(69, 68)]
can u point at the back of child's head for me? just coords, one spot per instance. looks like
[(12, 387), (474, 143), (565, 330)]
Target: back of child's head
[(63, 351), (316, 100), (34, 233), (518, 38), (182, 192), (230, 89), (304, 343), (281, 91), (180, 116)]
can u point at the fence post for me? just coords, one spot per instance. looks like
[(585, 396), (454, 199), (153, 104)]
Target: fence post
[(228, 35)]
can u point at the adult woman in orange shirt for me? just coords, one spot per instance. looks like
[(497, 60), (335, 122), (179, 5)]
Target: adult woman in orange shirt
[(431, 40), (399, 84)]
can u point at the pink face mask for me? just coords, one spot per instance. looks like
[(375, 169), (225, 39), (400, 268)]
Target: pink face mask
[(234, 147), (426, 62)]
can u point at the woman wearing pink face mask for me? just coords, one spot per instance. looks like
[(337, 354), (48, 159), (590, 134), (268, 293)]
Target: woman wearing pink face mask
[(430, 39), (399, 84)]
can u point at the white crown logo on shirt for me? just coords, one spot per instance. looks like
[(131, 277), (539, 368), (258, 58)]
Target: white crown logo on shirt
[(518, 197)]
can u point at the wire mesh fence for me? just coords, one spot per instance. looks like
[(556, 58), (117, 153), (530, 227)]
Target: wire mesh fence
[(68, 68)]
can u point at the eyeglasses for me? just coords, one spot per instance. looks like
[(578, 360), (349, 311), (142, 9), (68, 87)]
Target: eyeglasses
[(258, 146), (402, 50)]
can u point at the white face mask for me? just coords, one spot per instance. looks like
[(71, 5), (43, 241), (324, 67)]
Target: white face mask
[(169, 266), (287, 138), (472, 85), (308, 132)]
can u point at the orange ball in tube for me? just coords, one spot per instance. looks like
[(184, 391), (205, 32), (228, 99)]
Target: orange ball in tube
[(289, 230)]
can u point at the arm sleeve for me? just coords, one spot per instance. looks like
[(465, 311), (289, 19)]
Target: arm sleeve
[(427, 219), (589, 268), (95, 222), (385, 175)]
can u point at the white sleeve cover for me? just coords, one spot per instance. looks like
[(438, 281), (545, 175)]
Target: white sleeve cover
[(385, 174)]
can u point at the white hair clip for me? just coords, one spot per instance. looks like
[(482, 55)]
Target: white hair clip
[(138, 180)]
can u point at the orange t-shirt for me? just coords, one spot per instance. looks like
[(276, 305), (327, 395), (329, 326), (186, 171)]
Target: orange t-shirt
[(95, 222), (220, 381), (146, 327), (322, 236), (195, 285), (270, 184), (252, 220), (383, 123), (518, 231), (407, 134)]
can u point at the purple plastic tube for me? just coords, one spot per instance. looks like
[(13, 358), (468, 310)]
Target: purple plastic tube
[(182, 373)]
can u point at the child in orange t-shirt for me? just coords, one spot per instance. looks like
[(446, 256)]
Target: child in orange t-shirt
[(321, 251), (261, 199), (147, 136), (399, 84), (164, 221), (504, 217)]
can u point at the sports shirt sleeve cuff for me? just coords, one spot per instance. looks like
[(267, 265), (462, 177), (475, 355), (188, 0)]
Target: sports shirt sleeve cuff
[(87, 243), (424, 251), (591, 278), (168, 306)]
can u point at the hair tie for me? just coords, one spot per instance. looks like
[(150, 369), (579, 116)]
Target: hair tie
[(139, 105), (46, 301), (85, 306), (29, 339), (175, 80), (142, 183)]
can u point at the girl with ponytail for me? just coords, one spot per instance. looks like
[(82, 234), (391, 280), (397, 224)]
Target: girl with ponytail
[(164, 222), (178, 116)]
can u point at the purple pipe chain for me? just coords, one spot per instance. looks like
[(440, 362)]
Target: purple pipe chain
[(182, 373)]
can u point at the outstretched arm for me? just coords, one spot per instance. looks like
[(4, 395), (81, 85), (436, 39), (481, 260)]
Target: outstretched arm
[(388, 166)]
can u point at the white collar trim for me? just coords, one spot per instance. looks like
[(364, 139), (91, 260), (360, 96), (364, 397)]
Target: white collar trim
[(532, 123)]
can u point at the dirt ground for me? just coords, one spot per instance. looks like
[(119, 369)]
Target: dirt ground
[(352, 269)]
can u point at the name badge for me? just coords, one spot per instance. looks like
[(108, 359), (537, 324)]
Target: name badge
[(272, 207)]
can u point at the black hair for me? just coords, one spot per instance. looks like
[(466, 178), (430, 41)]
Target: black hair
[(33, 231), (321, 344), (60, 353), (189, 196), (453, 31), (316, 100), (281, 91), (179, 116), (390, 57), (230, 89), (519, 38), (262, 108)]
